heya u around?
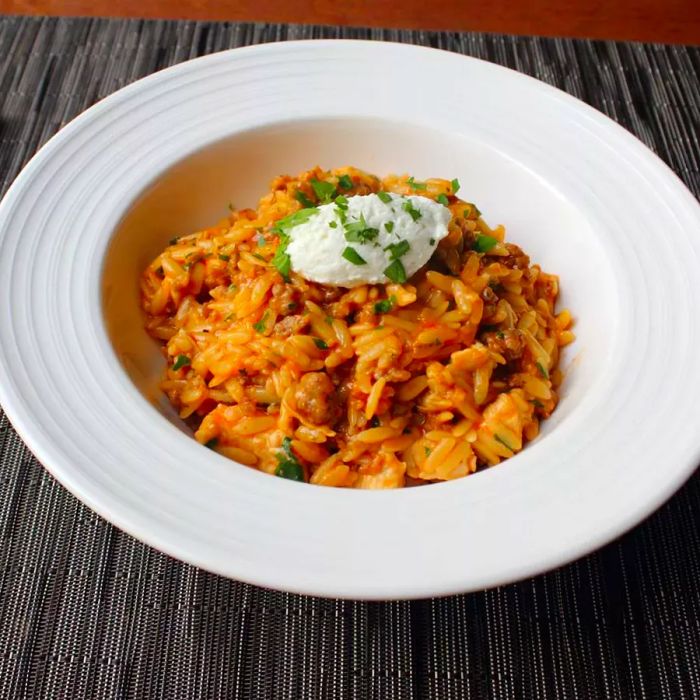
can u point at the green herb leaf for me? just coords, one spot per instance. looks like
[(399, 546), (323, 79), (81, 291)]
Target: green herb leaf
[(284, 225), (408, 207), (396, 250), (320, 344), (353, 256), (442, 199), (290, 469), (211, 444), (345, 181), (417, 185), (484, 243), (303, 199), (455, 186), (333, 224), (173, 241), (223, 257), (385, 305), (341, 201), (260, 325), (359, 232), (432, 241), (385, 197), (536, 403), (288, 465), (543, 370), (325, 191), (503, 442), (181, 361), (427, 451), (389, 226), (396, 272)]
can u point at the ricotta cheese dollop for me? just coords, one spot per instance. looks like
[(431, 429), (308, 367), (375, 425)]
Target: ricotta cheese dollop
[(365, 239)]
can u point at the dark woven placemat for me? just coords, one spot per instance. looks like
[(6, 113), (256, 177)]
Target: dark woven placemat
[(88, 612)]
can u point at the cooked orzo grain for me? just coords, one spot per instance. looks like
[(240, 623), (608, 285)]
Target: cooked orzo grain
[(378, 386)]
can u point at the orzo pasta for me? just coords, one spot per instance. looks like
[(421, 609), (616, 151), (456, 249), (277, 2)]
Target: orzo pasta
[(374, 386)]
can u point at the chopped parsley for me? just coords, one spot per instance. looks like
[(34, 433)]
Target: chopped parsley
[(389, 226), (414, 213), (211, 444), (333, 224), (345, 181), (288, 466), (385, 305), (416, 185), (359, 232), (173, 241), (341, 202), (385, 197), (396, 272), (320, 344), (427, 451), (396, 250), (284, 225), (503, 442), (281, 259), (261, 324), (455, 186), (223, 257), (442, 199), (543, 370), (351, 255), (484, 243), (537, 403), (325, 191), (432, 241), (303, 199), (181, 361)]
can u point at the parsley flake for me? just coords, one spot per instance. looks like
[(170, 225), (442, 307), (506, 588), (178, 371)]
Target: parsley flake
[(416, 185), (303, 199), (320, 344), (288, 466), (432, 241), (385, 305), (442, 199), (455, 186), (333, 224), (389, 226), (261, 324), (385, 197), (223, 257), (414, 213), (351, 255), (345, 181), (173, 241), (484, 243), (542, 370), (211, 444), (396, 250), (396, 272), (359, 232), (325, 191), (181, 361), (341, 202)]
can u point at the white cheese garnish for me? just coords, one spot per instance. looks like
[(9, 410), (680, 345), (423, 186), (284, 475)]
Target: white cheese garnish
[(378, 229)]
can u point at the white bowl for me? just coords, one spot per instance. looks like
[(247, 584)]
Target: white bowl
[(166, 154)]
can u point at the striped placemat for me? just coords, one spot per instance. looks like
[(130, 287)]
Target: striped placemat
[(88, 612)]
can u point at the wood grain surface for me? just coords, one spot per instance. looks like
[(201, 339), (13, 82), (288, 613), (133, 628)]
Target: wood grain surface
[(666, 21)]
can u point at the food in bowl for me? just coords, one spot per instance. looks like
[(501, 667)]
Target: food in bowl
[(358, 332)]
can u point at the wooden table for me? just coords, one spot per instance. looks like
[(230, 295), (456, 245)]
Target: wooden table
[(666, 21)]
